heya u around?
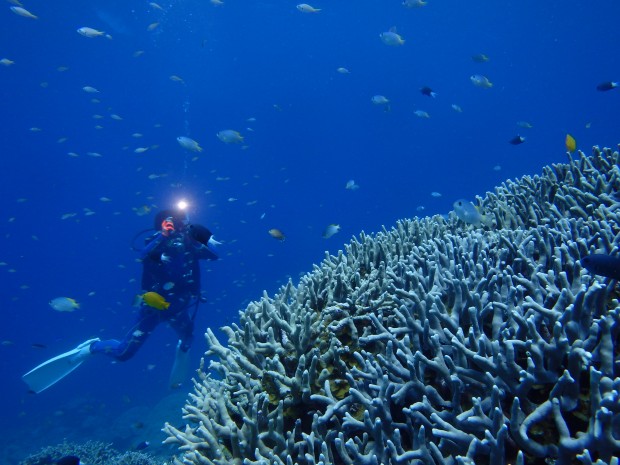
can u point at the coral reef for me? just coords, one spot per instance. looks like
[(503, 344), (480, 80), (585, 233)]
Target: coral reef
[(91, 453), (434, 342)]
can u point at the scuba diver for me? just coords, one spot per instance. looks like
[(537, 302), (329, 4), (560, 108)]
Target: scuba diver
[(171, 293)]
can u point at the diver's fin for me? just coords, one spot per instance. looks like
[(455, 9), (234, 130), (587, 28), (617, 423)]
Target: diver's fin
[(50, 372), (179, 370)]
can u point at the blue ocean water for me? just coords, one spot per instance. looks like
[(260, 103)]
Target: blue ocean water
[(269, 71)]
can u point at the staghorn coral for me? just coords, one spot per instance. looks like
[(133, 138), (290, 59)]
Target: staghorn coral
[(433, 343), (91, 453)]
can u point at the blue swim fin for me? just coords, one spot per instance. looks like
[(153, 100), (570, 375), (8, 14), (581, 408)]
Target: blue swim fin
[(53, 370)]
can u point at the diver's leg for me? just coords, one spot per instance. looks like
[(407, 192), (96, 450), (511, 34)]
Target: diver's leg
[(136, 336), (183, 325)]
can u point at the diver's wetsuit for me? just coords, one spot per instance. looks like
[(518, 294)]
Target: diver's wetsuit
[(171, 268)]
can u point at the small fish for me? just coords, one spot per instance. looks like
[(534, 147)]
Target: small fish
[(421, 114), (90, 32), (18, 10), (165, 258), (137, 333), (605, 86), (392, 38), (152, 27), (414, 3), (331, 230), (524, 124), (602, 264), (343, 70), (379, 100), (143, 445), (189, 144), (230, 136), (6, 62), (428, 92), (480, 58), (176, 78), (141, 149), (155, 6), (571, 143), (167, 286), (37, 345), (305, 8), (277, 234), (90, 90), (456, 108), (481, 81), (517, 140), (351, 185), (468, 212), (155, 300), (436, 194), (64, 304)]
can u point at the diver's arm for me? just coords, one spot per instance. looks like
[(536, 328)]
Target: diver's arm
[(157, 240), (204, 252), (202, 239)]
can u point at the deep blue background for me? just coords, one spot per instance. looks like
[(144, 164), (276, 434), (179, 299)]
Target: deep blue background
[(314, 130)]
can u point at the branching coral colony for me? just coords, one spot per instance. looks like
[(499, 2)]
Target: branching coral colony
[(434, 342)]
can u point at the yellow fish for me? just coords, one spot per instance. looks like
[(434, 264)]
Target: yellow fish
[(571, 143), (153, 299)]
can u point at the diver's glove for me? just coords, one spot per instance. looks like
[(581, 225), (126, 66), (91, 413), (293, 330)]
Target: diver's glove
[(212, 243), (200, 233)]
